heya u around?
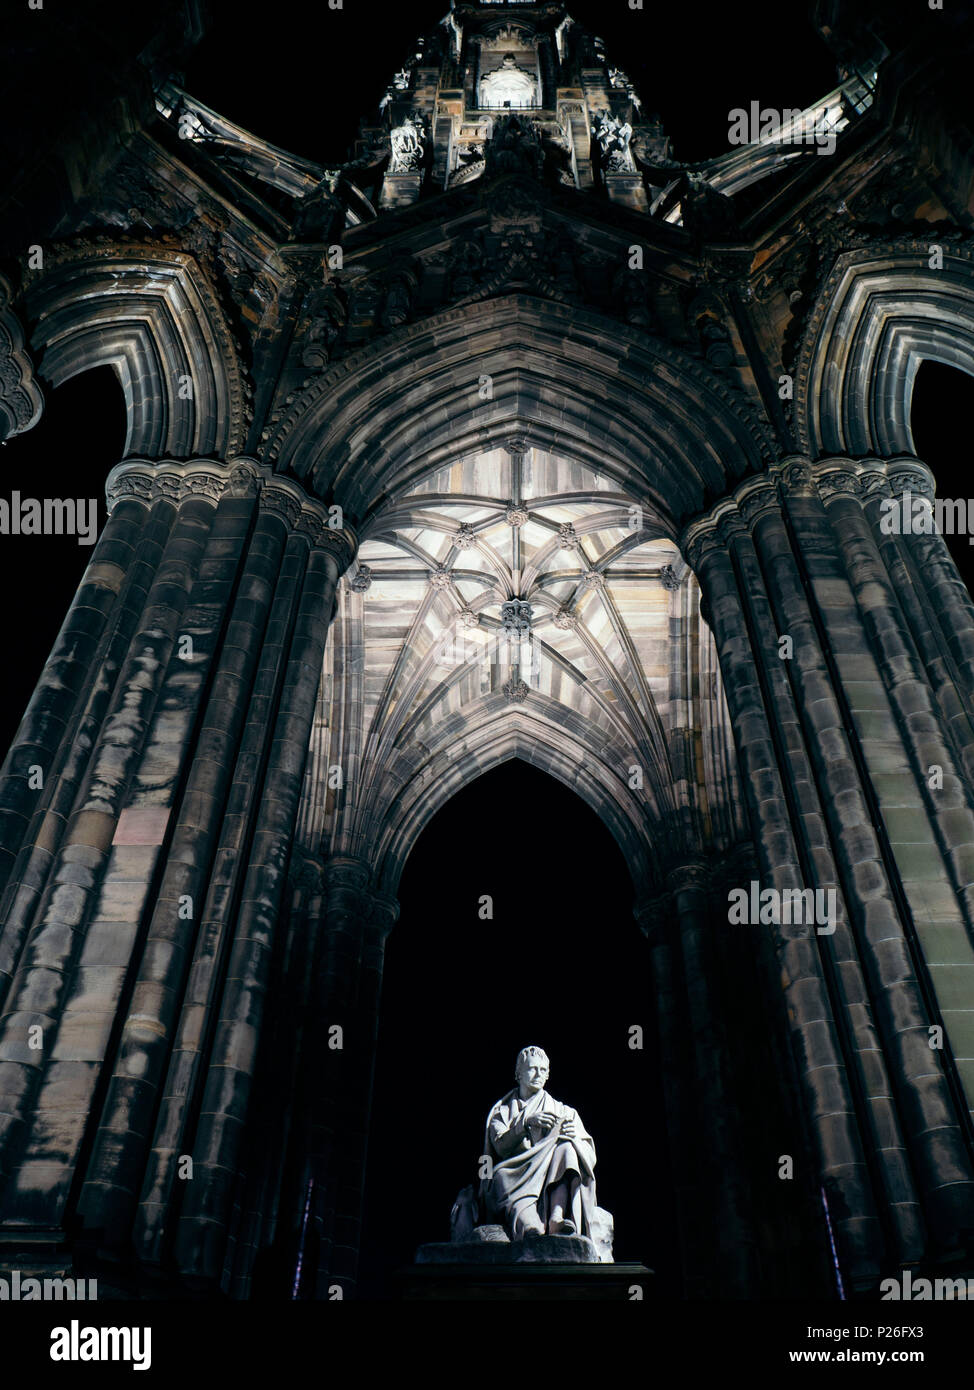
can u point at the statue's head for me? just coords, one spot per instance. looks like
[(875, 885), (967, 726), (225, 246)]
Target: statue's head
[(531, 1068)]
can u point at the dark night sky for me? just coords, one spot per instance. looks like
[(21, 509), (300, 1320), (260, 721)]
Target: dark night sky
[(690, 66)]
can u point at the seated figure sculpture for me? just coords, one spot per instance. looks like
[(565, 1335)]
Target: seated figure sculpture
[(541, 1178)]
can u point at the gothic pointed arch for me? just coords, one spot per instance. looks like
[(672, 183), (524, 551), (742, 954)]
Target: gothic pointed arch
[(882, 310), (567, 376), (149, 311)]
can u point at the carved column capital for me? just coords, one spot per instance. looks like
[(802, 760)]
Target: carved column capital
[(653, 916), (692, 876), (341, 543), (168, 480), (755, 497), (908, 474), (383, 913), (283, 498)]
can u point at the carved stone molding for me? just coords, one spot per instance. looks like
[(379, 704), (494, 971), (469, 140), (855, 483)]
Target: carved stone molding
[(21, 401), (692, 876), (839, 481), (174, 481), (515, 619), (910, 475), (278, 496), (166, 296)]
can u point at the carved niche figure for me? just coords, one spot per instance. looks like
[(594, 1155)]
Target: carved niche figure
[(542, 1167), (407, 147), (514, 147), (614, 136)]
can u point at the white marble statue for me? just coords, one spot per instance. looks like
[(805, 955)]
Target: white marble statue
[(543, 1163)]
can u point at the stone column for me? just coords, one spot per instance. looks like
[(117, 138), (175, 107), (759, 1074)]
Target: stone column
[(201, 1238), (866, 721), (693, 927), (71, 669), (358, 919), (65, 715), (921, 605), (719, 550), (936, 569), (48, 971), (655, 920), (147, 937)]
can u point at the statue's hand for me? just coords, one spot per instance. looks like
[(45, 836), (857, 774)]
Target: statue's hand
[(568, 1129), (540, 1125)]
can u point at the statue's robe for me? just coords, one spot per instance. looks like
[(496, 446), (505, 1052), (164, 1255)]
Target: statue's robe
[(525, 1172)]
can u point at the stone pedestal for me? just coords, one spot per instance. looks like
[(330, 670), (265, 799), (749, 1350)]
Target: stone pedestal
[(491, 1266), (495, 1280), (627, 189), (399, 190), (498, 1250)]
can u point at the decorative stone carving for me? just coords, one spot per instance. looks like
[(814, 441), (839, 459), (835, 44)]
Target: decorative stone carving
[(361, 581), (565, 619), (797, 477), (630, 293), (326, 316), (275, 498), (508, 86), (20, 396), (173, 482), (910, 475), (514, 147), (516, 515), (668, 579), (516, 620), (441, 578), (465, 537), (836, 483), (707, 213), (397, 306), (593, 579), (407, 141), (567, 538), (516, 691), (613, 137), (244, 481), (468, 618)]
